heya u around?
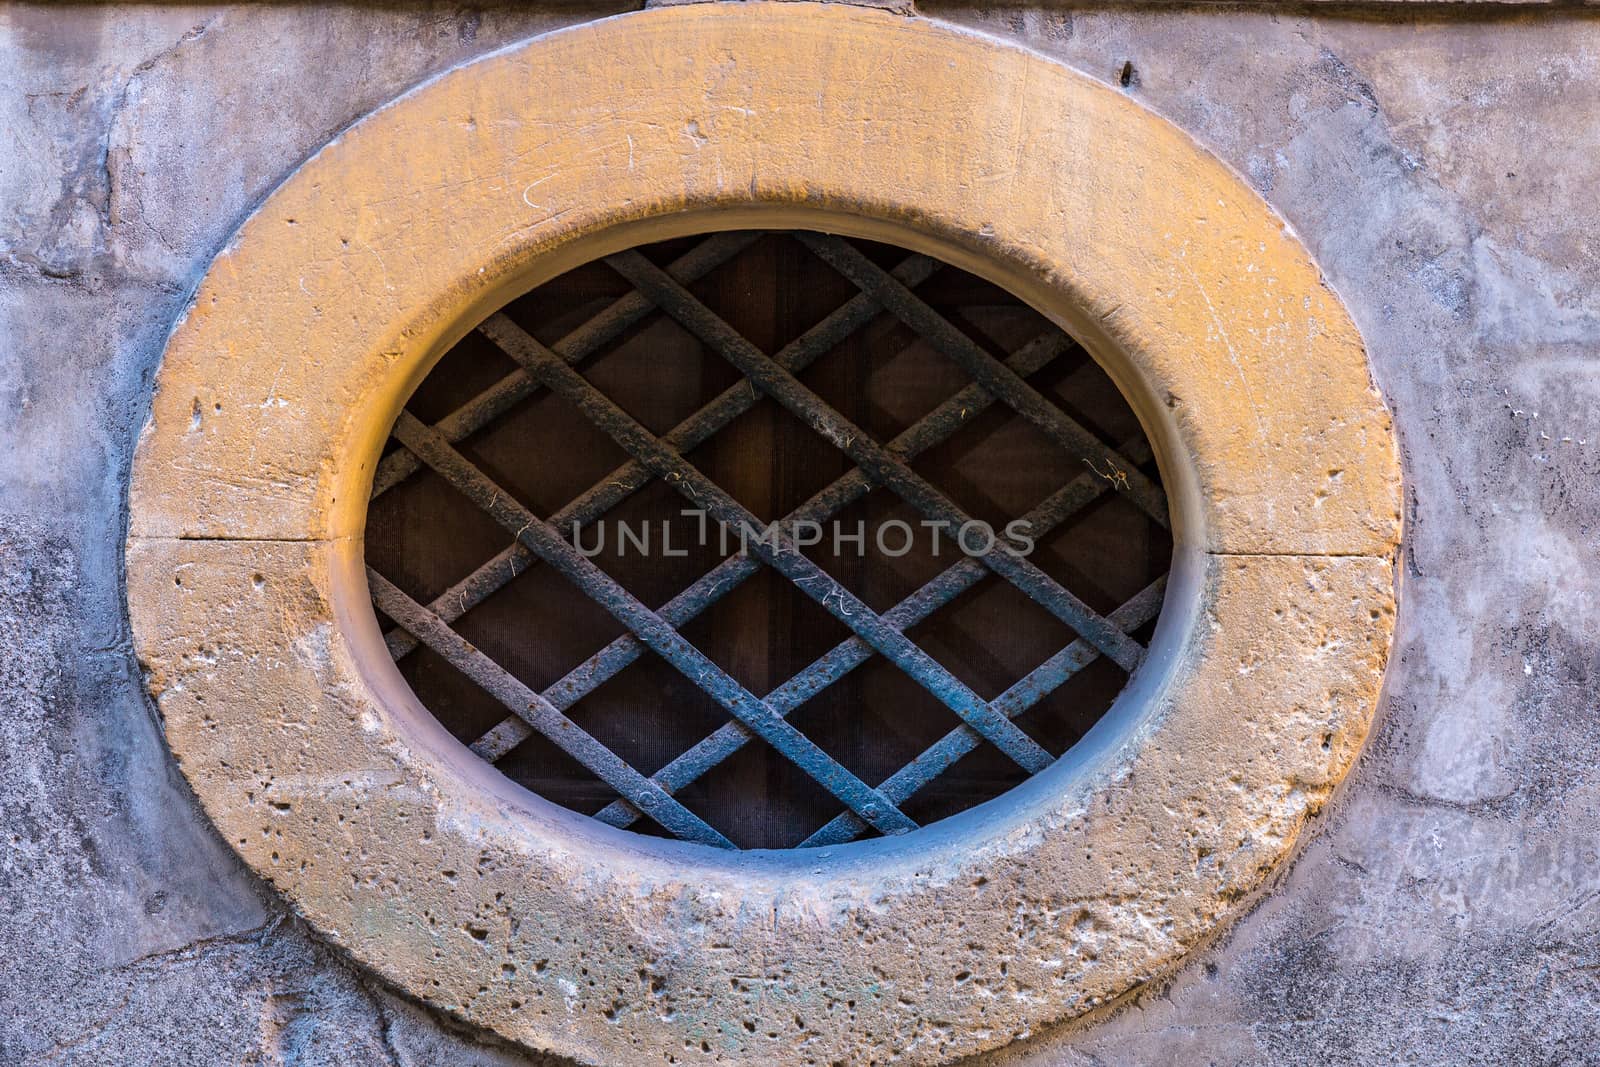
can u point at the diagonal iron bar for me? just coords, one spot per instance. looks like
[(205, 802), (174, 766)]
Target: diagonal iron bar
[(942, 754), (628, 478), (542, 716), (582, 342), (545, 541), (852, 652), (984, 368), (781, 553), (882, 467), (930, 430)]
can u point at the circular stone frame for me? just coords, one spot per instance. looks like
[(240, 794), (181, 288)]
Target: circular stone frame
[(250, 610)]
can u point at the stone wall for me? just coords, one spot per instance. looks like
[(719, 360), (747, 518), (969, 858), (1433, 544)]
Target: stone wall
[(1441, 165)]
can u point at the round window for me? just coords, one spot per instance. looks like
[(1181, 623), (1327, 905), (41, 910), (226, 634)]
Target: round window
[(894, 588), (657, 460)]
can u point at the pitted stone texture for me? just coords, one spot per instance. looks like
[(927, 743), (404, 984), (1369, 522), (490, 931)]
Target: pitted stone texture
[(504, 912), (317, 765)]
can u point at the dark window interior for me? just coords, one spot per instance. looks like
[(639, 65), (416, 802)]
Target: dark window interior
[(425, 536)]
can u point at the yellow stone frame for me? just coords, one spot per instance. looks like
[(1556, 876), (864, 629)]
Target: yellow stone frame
[(315, 761)]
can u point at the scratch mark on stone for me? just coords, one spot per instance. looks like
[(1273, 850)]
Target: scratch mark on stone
[(531, 186), (1227, 342)]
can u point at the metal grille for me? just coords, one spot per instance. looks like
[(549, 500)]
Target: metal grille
[(546, 387)]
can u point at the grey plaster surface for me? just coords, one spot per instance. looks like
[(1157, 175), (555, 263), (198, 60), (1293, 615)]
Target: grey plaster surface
[(1444, 168)]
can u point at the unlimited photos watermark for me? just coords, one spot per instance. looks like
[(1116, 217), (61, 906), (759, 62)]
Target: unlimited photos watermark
[(893, 538)]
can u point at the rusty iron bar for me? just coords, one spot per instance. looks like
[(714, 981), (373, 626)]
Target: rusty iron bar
[(781, 554), (1021, 397), (882, 467), (538, 713), (546, 542), (930, 430), (1042, 680), (580, 343), (853, 652), (628, 478)]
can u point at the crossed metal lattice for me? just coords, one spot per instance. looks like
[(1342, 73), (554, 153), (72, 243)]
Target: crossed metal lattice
[(884, 466)]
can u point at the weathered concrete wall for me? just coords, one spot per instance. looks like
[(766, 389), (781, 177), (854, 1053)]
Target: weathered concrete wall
[(1441, 167)]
